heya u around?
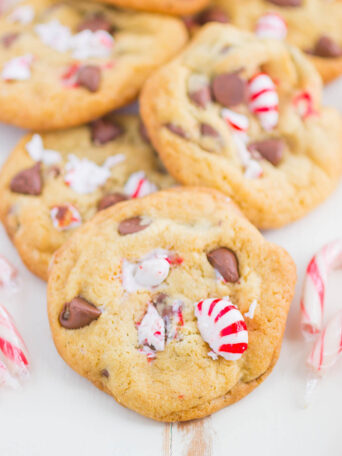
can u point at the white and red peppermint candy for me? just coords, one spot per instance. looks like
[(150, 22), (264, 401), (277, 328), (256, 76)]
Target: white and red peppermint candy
[(252, 167), (8, 274), (271, 25), (65, 217), (222, 326), (304, 105), (18, 69), (54, 35), (238, 122), (88, 44), (85, 176), (263, 100), (70, 76), (23, 14), (252, 309), (327, 259), (151, 330), (138, 185), (37, 152), (147, 273), (14, 363)]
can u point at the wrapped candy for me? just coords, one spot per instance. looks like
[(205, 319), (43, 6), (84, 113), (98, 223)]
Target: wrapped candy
[(14, 364)]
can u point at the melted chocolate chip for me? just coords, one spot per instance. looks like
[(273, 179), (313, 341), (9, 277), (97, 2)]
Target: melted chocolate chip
[(61, 212), (229, 89), (208, 130), (271, 149), (286, 2), (176, 130), (8, 39), (28, 182), (78, 313), (132, 225), (326, 47), (201, 97), (89, 77), (104, 373), (104, 130), (95, 23), (213, 14), (226, 263), (111, 200)]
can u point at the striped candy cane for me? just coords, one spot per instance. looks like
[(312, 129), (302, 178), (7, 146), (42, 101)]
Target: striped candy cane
[(271, 25), (263, 100), (138, 185), (14, 364), (222, 326)]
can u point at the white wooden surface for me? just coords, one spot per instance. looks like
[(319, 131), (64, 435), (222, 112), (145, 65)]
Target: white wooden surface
[(59, 413)]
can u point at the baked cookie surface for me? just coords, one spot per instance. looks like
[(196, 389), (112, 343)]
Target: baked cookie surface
[(132, 310), (312, 25), (244, 115), (177, 7), (64, 64), (53, 182)]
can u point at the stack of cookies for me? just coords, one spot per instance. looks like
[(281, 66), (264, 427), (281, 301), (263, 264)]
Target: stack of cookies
[(161, 289)]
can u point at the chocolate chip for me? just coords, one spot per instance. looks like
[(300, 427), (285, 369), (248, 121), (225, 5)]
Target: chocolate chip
[(208, 130), (8, 39), (326, 47), (104, 373), (271, 149), (143, 132), (201, 97), (89, 77), (225, 261), (229, 89), (110, 200), (95, 23), (28, 182), (132, 225), (159, 298), (78, 313), (176, 130), (61, 212), (286, 2), (104, 130), (213, 14)]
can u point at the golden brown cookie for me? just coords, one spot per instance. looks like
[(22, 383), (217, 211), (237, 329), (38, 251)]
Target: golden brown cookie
[(174, 304), (63, 64), (177, 7), (244, 115), (312, 25), (53, 182)]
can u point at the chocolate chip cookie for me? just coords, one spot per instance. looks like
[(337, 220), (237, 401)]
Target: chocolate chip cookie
[(53, 182), (243, 114), (166, 303), (312, 25), (177, 7), (66, 63)]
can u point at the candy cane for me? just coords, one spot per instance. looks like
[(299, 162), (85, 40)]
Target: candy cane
[(138, 185), (14, 364), (222, 326), (263, 100), (304, 105)]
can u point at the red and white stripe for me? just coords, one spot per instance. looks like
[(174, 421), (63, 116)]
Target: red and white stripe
[(328, 346), (138, 185), (238, 122), (304, 105), (222, 326), (14, 364), (271, 25), (312, 304), (263, 100)]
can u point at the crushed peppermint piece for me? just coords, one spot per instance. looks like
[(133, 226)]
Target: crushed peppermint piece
[(251, 310), (138, 185), (18, 69), (64, 217), (253, 169), (151, 330), (23, 15), (38, 153), (54, 35)]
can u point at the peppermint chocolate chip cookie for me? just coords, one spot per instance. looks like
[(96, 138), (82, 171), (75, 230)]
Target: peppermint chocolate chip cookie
[(53, 182), (312, 25), (64, 64), (177, 7), (173, 304), (243, 114)]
